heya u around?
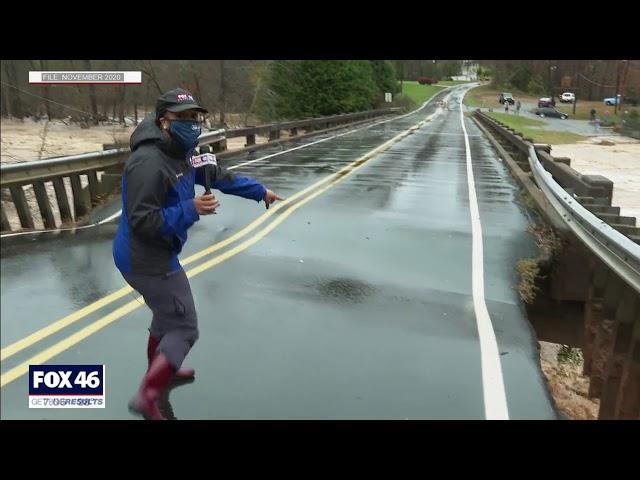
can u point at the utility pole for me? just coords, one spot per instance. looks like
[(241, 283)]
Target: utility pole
[(222, 97), (551, 68), (575, 99), (624, 83), (617, 98)]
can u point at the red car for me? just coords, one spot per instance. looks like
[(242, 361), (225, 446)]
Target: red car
[(546, 102), (427, 80)]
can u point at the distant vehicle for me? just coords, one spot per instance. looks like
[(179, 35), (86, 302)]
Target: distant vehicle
[(427, 80), (546, 102), (612, 100), (506, 97), (568, 97), (550, 112), (618, 100)]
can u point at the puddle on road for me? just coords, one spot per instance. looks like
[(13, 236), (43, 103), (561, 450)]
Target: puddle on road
[(345, 290)]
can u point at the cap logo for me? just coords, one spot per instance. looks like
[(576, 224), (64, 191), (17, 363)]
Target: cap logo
[(183, 97)]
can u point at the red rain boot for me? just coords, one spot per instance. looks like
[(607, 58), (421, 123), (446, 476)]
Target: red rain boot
[(154, 383), (182, 373)]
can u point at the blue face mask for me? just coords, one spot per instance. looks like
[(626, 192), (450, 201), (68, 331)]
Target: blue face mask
[(186, 133)]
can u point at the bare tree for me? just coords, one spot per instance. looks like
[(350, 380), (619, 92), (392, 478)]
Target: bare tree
[(222, 92), (149, 71), (45, 91), (6, 104), (92, 95), (623, 84), (6, 107), (603, 78), (16, 99), (258, 85), (121, 103), (224, 87), (136, 97), (196, 80)]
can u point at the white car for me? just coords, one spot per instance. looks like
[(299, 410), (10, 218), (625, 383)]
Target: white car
[(568, 97)]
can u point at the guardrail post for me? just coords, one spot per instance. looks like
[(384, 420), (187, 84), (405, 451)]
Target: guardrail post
[(4, 222), (603, 343), (219, 146), (81, 202), (622, 333), (63, 201), (251, 140), (274, 135), (628, 401), (599, 184), (43, 204), (94, 187), (111, 181), (593, 312), (565, 160), (543, 147), (20, 202), (293, 132)]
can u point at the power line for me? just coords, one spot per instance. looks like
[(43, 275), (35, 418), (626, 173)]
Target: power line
[(45, 99), (596, 83)]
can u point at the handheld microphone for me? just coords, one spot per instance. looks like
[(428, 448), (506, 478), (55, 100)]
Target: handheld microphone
[(205, 160)]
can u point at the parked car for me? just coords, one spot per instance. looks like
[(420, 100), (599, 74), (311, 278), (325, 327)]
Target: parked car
[(506, 97), (427, 80), (612, 100), (546, 102), (568, 97), (617, 100), (550, 112)]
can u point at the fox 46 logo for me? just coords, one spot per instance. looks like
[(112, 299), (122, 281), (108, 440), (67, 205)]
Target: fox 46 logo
[(66, 386)]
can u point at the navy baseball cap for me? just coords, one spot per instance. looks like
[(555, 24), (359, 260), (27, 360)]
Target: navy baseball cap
[(177, 100)]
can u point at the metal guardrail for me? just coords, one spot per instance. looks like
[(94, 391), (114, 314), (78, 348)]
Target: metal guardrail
[(111, 162), (616, 250), (27, 172), (42, 170), (568, 178), (604, 276)]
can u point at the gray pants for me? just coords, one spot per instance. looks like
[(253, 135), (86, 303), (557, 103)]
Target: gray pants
[(175, 322)]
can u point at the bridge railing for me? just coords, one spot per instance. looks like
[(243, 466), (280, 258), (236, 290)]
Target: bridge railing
[(598, 265), (48, 176)]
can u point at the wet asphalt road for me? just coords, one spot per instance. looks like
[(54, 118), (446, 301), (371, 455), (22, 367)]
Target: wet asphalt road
[(355, 304)]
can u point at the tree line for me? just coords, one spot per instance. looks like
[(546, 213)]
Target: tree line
[(268, 89)]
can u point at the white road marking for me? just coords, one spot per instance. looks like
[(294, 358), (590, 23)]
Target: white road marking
[(495, 400)]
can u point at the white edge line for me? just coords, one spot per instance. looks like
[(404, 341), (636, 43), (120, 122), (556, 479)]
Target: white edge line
[(495, 400)]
